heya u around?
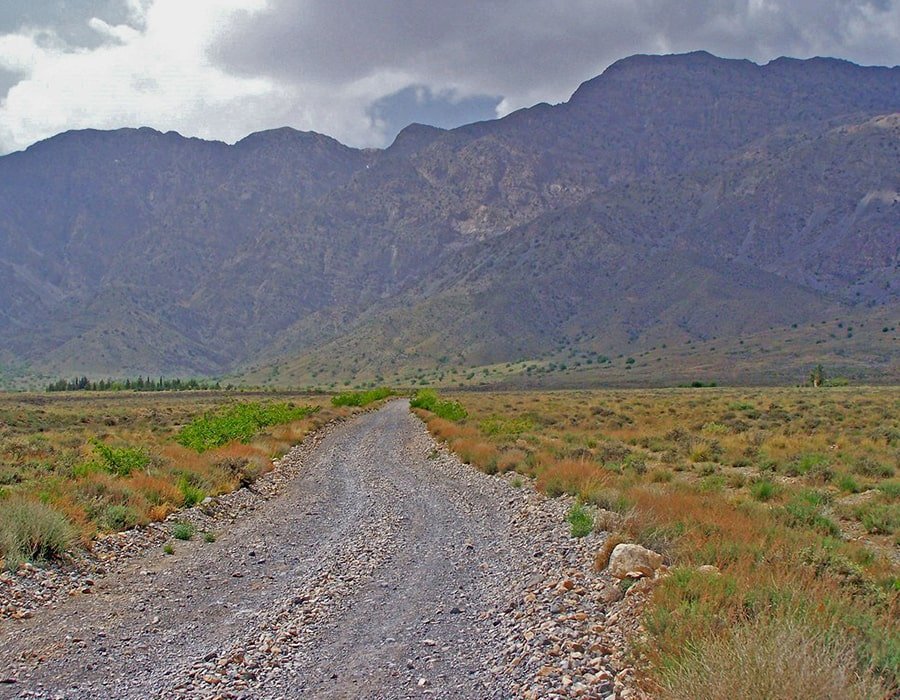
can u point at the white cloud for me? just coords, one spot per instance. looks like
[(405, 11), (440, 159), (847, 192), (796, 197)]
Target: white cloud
[(155, 74)]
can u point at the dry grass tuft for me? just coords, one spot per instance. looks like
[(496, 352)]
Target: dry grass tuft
[(601, 560), (777, 659)]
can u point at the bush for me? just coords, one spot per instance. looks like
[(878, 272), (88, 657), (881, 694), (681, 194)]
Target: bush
[(804, 511), (119, 517), (121, 461), (30, 530), (239, 422), (428, 400), (764, 490), (192, 494), (580, 520), (880, 519), (182, 531), (361, 398), (775, 659)]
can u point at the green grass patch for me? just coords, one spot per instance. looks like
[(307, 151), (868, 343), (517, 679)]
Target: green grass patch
[(764, 490), (361, 398), (238, 422), (580, 521), (428, 400)]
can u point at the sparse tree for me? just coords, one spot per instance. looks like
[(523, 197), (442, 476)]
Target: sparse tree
[(817, 376)]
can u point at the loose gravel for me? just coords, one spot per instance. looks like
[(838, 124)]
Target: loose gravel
[(370, 563)]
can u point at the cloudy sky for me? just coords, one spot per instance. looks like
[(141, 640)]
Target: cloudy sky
[(361, 70)]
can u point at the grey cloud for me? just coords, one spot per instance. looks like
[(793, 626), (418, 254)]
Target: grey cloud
[(7, 80), (67, 19), (534, 49), (420, 104)]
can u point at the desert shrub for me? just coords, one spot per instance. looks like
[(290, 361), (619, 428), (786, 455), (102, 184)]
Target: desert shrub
[(845, 482), (242, 470), (636, 463), (31, 530), (866, 466), (182, 531), (804, 510), (567, 476), (580, 521), (661, 476), (776, 659), (428, 400), (119, 517), (764, 490), (891, 489), (879, 519), (496, 425), (361, 398), (121, 461), (190, 492), (238, 422)]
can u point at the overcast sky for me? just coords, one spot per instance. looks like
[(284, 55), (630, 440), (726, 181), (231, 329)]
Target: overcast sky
[(360, 71)]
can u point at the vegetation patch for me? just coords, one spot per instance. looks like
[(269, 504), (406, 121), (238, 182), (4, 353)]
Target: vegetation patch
[(31, 530), (789, 493), (238, 422), (361, 398), (428, 400)]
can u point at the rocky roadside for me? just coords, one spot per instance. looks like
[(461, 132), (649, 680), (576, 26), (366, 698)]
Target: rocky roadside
[(24, 591), (563, 629)]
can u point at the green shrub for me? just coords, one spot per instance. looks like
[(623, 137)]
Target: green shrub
[(192, 494), (361, 398), (891, 489), (428, 400), (764, 490), (580, 521), (847, 483), (119, 517), (239, 422), (496, 425), (880, 519), (31, 530), (182, 531), (866, 466), (804, 510), (121, 461)]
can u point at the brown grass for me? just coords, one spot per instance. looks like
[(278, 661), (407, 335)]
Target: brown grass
[(678, 467), (777, 659)]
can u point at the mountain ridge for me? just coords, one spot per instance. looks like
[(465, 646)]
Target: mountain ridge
[(281, 249)]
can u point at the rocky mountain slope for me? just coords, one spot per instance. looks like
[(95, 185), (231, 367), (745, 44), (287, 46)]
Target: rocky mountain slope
[(671, 199)]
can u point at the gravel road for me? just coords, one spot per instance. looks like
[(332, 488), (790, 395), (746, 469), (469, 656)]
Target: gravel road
[(383, 569)]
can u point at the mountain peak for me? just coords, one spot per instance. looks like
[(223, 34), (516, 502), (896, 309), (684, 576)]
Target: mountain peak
[(414, 137)]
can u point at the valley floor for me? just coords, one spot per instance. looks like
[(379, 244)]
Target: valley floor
[(385, 568)]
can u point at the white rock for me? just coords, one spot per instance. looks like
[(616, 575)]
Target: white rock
[(633, 561)]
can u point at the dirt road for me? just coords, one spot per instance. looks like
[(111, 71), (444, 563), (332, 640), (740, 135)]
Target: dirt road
[(365, 578)]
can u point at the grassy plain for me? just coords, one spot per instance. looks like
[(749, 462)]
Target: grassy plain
[(109, 461), (791, 493)]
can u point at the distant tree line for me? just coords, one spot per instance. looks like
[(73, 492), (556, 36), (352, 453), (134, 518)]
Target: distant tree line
[(139, 384)]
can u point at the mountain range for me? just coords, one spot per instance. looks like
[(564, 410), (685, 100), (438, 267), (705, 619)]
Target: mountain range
[(679, 217)]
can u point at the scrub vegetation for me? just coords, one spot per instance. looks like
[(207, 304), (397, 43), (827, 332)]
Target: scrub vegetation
[(75, 465), (792, 494)]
